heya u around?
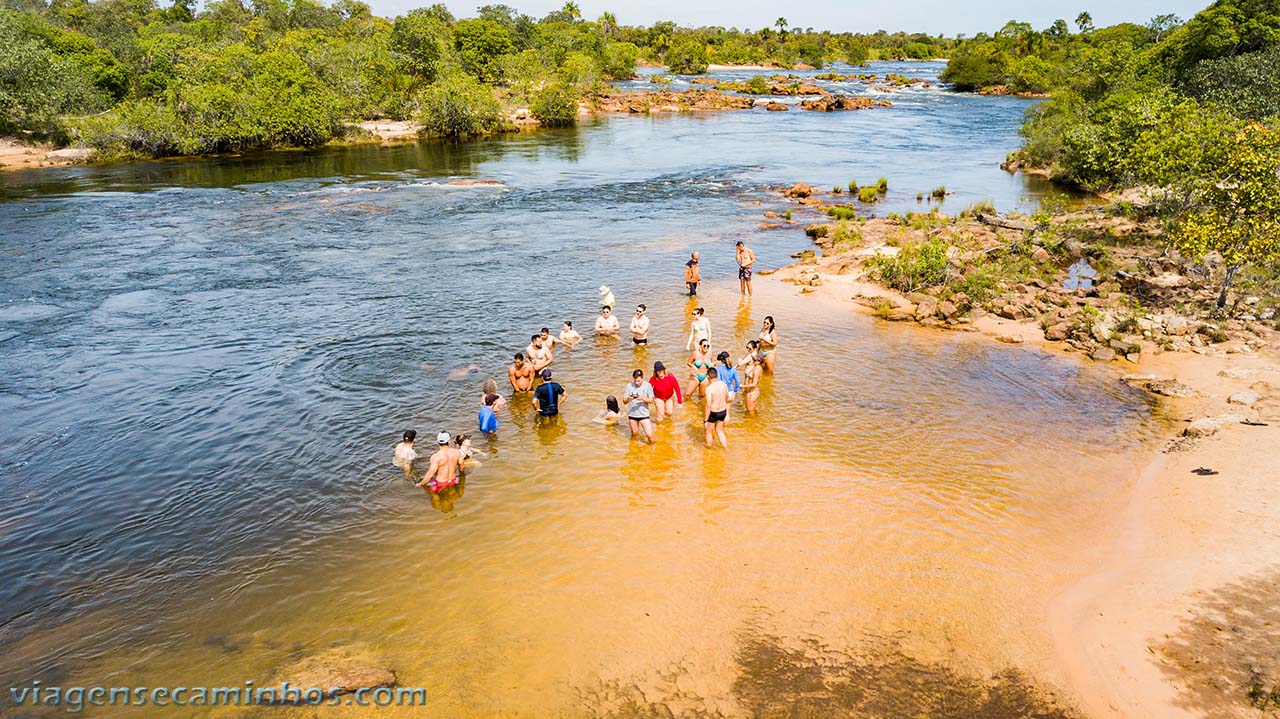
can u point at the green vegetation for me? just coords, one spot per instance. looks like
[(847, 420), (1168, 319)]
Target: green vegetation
[(913, 268), (1191, 111), (939, 192), (868, 193), (841, 212)]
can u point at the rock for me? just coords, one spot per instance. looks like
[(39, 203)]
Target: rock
[(1137, 379), (1177, 326), (901, 314), (1133, 357), (1058, 332), (1124, 346), (1237, 373), (1102, 331), (814, 280), (1171, 388), (1009, 339), (1203, 427), (343, 670), (947, 310), (73, 154), (1041, 255), (926, 306), (805, 255), (776, 106), (799, 190), (961, 301), (1247, 398), (1103, 354)]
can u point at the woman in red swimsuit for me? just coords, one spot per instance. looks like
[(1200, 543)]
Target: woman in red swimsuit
[(666, 390)]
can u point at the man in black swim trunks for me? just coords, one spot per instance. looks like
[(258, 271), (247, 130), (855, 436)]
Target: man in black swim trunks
[(548, 396), (716, 399), (746, 258), (640, 326)]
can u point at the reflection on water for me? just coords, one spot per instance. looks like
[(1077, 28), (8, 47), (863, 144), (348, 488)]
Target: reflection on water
[(206, 365)]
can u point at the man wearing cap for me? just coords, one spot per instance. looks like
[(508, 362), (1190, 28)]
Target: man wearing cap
[(445, 466), (606, 297), (548, 396), (729, 375)]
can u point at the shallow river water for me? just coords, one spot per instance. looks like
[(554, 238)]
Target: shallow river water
[(206, 363)]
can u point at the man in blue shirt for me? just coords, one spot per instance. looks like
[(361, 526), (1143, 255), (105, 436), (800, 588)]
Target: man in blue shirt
[(488, 420), (728, 374), (548, 395)]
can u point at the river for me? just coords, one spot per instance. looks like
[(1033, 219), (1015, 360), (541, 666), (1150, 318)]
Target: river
[(207, 362)]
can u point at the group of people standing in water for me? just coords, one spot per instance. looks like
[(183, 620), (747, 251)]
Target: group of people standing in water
[(717, 379)]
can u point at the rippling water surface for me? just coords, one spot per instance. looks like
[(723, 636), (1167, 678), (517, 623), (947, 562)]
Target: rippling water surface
[(205, 365)]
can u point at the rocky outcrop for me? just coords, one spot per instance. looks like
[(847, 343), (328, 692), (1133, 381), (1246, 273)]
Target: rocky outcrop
[(666, 101), (842, 102)]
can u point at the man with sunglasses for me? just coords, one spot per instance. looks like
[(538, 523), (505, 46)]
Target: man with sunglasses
[(640, 326), (606, 323)]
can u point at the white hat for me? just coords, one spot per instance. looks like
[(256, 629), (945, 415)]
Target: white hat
[(442, 438), (604, 290)]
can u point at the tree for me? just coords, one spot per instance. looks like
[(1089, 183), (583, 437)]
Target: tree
[(418, 38), (1160, 25), (459, 106), (688, 56), (1247, 86), (481, 44), (1084, 21), (608, 23), (1237, 213), (571, 10), (781, 23), (556, 105), (856, 52)]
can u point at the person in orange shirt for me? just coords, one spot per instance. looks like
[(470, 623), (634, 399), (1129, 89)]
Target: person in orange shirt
[(691, 275)]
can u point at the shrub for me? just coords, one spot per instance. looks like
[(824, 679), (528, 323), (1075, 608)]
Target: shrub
[(687, 57), (939, 192), (841, 212), (556, 105), (882, 185), (837, 190), (619, 61), (913, 268), (787, 215), (853, 187), (459, 106), (816, 231), (757, 85), (846, 235), (868, 194)]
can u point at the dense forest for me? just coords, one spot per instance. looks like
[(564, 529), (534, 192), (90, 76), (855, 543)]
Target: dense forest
[(134, 79)]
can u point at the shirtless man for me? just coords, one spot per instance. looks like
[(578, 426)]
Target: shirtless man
[(445, 466), (717, 409), (640, 326), (405, 453), (521, 374), (538, 353), (547, 340), (606, 323), (746, 258), (568, 335)]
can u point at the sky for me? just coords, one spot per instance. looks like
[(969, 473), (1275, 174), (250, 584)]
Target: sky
[(947, 17)]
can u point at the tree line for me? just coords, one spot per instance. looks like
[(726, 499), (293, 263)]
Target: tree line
[(132, 78)]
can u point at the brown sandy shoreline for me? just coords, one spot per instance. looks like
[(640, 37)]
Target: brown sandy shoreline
[(1129, 638)]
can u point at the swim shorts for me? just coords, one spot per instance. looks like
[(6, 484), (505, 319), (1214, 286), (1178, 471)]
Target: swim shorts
[(720, 416), (640, 341), (744, 273), (435, 486)]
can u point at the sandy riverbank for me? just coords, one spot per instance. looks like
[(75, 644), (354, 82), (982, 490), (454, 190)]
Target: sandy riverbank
[(1180, 619), (15, 155)]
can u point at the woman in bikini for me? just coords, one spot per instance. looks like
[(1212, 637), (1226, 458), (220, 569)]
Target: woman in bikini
[(699, 329), (751, 384), (769, 342), (698, 364)]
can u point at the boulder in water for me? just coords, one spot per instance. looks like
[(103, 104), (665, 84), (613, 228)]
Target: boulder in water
[(340, 670)]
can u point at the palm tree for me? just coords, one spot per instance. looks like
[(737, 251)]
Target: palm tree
[(1084, 21), (781, 23), (571, 9), (608, 23)]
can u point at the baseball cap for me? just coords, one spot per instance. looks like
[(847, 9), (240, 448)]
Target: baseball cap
[(442, 438), (604, 290), (722, 356), (658, 366), (546, 374)]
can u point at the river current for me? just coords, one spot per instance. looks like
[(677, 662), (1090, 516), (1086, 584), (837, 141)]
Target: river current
[(205, 365)]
